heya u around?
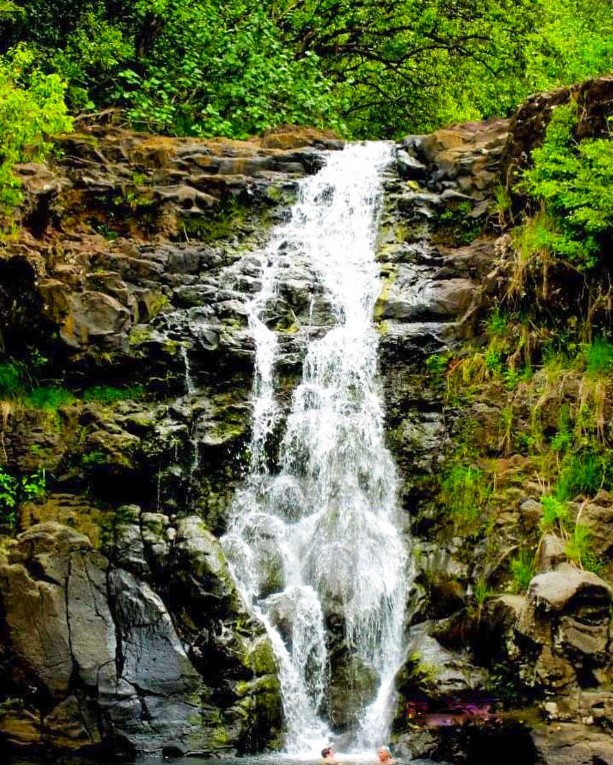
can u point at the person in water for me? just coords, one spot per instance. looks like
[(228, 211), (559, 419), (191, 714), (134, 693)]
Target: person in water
[(384, 756), (327, 754)]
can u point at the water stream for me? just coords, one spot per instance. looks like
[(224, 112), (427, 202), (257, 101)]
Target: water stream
[(314, 533)]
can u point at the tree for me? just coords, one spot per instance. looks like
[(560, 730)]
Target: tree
[(374, 68)]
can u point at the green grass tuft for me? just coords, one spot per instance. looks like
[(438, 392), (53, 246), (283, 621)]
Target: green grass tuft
[(107, 394), (49, 398)]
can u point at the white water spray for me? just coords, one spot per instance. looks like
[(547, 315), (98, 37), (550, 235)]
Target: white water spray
[(318, 534)]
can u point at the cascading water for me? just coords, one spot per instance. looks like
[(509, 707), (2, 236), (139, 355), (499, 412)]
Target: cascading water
[(317, 534)]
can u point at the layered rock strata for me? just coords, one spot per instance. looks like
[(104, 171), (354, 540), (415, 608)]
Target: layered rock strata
[(124, 295), (126, 288)]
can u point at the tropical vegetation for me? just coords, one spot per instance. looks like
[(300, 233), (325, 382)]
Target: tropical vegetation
[(367, 68)]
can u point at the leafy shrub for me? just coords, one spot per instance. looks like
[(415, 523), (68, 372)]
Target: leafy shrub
[(13, 491), (32, 107), (34, 486), (574, 184)]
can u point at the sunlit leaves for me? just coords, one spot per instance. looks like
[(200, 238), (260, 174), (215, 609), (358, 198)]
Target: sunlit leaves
[(31, 109)]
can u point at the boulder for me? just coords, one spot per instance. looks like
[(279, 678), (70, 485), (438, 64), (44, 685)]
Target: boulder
[(572, 744), (551, 553), (96, 658), (563, 632), (94, 318)]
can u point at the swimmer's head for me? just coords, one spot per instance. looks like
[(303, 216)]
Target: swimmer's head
[(326, 751)]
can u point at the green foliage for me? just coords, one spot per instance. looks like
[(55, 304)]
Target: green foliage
[(437, 364), (579, 549), (380, 69), (423, 672), (8, 496), (34, 486), (481, 592), (574, 184), (581, 473), (31, 108), (13, 491), (12, 379), (455, 226), (107, 394), (503, 201), (513, 377), (200, 68), (522, 568), (598, 357), (93, 458), (225, 72), (564, 438), (556, 514), (466, 493), (48, 397), (496, 324)]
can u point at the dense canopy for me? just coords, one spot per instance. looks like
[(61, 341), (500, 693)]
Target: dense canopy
[(366, 68)]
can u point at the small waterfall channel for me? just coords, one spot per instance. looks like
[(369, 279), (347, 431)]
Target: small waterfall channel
[(314, 532)]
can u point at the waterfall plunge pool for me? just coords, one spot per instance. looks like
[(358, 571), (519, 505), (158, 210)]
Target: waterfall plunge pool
[(275, 759)]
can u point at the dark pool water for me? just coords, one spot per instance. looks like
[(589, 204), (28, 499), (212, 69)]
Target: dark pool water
[(279, 759)]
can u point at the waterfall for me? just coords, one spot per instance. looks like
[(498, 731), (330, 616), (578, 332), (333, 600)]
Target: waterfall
[(314, 532)]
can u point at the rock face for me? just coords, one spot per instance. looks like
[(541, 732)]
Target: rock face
[(97, 657), (126, 292), (563, 632), (549, 649), (126, 289)]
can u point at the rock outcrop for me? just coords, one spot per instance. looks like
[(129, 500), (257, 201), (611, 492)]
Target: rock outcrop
[(123, 295), (549, 650), (97, 657), (123, 308)]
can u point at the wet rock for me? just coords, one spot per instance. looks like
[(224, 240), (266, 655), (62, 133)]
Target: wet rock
[(352, 686), (444, 672), (412, 300), (410, 168), (101, 658)]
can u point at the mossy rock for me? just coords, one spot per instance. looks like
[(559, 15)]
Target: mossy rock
[(69, 510), (261, 658)]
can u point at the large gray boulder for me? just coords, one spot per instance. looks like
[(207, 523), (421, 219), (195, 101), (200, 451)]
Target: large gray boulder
[(93, 655), (563, 632)]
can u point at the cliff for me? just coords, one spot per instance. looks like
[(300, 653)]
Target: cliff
[(123, 286)]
